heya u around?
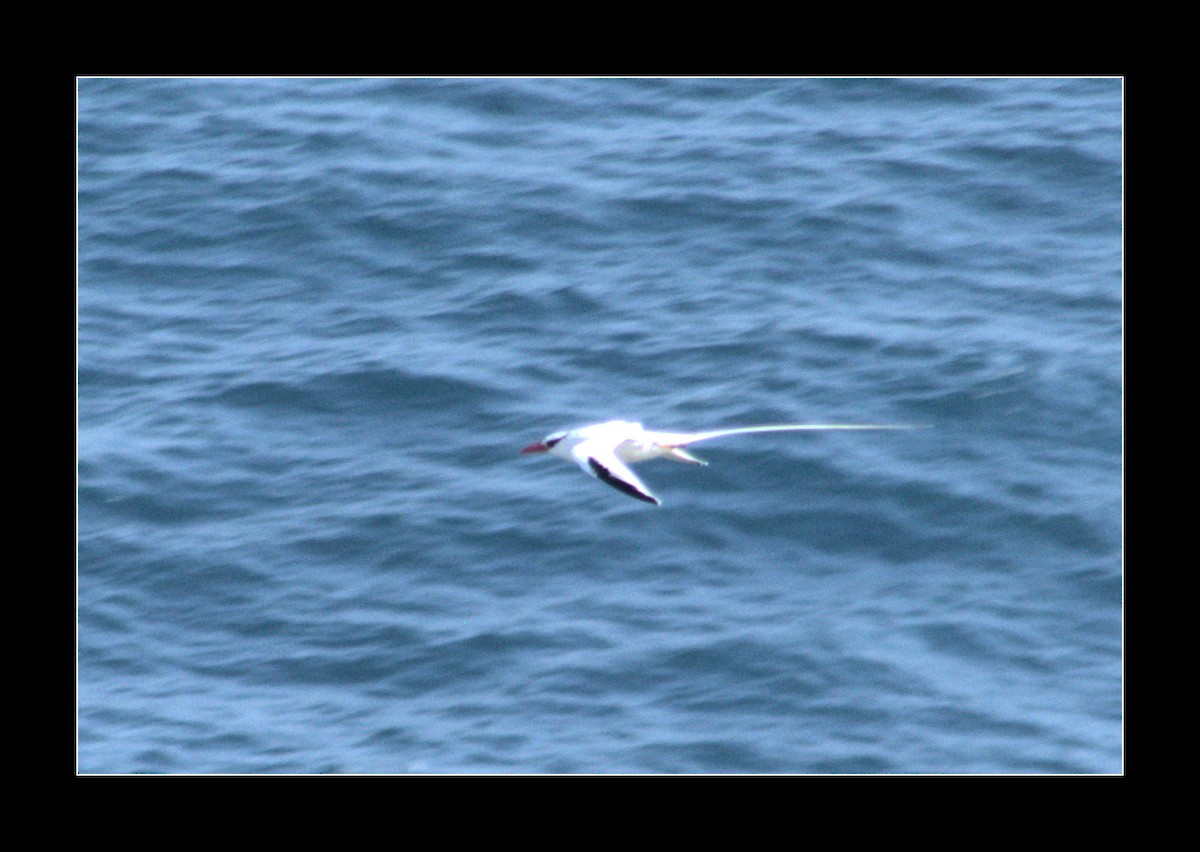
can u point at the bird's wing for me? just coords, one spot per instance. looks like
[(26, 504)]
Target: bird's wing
[(680, 439), (599, 459)]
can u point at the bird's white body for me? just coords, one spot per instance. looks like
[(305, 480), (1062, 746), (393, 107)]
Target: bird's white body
[(604, 450)]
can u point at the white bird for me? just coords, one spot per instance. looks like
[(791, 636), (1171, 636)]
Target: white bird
[(604, 450)]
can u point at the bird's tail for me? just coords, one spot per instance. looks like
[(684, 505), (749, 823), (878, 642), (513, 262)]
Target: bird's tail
[(695, 437)]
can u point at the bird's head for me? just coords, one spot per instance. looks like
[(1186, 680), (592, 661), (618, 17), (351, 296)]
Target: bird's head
[(546, 444)]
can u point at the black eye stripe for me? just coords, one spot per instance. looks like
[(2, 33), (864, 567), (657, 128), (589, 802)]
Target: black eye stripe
[(550, 442)]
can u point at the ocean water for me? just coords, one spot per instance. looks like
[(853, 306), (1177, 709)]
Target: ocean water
[(318, 318)]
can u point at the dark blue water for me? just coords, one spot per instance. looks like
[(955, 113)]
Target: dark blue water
[(318, 319)]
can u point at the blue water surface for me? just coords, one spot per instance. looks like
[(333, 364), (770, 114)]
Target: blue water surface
[(318, 318)]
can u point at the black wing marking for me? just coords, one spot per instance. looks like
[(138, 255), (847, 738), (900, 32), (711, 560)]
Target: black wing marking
[(606, 476)]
